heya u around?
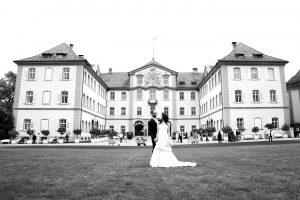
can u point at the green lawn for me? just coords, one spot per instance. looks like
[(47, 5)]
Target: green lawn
[(226, 172)]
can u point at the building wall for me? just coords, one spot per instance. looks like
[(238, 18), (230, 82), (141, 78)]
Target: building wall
[(294, 95)]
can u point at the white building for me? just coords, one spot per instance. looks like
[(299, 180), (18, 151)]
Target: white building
[(58, 88), (293, 87), (244, 89)]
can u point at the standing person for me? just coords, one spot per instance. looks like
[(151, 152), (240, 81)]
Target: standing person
[(152, 128), (180, 137), (206, 136), (270, 136), (162, 155), (121, 136), (219, 137), (33, 139)]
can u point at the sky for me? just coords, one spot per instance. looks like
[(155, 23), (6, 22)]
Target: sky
[(119, 34)]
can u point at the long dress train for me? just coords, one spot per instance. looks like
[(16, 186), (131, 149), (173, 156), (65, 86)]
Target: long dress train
[(162, 155)]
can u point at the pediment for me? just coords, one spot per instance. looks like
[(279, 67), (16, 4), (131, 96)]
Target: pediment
[(151, 66)]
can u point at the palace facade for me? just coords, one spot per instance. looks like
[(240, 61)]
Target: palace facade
[(59, 88)]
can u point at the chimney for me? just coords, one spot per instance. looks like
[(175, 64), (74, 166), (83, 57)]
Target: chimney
[(71, 45), (233, 44), (110, 70), (195, 70), (81, 56)]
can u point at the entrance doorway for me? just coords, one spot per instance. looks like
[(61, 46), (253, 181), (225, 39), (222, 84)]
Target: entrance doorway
[(139, 128)]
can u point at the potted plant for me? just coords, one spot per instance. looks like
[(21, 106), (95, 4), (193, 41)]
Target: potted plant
[(286, 130), (45, 133), (255, 129), (269, 126), (61, 131), (226, 131), (13, 134), (30, 133), (77, 132)]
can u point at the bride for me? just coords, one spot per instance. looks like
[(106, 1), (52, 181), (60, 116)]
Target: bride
[(162, 155)]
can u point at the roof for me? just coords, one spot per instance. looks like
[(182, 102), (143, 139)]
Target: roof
[(244, 53), (64, 49), (188, 78), (295, 80), (116, 79), (150, 64)]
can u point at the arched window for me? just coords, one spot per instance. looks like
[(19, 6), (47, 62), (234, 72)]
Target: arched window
[(139, 111)]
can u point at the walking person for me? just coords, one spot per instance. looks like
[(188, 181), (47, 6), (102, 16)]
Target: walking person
[(152, 128), (180, 137), (219, 137), (206, 136), (270, 136)]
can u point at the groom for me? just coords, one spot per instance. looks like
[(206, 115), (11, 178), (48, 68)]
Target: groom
[(152, 127)]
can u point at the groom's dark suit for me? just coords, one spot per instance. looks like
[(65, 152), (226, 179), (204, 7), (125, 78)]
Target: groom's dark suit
[(152, 130)]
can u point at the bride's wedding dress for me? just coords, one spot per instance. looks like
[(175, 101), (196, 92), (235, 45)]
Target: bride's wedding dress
[(162, 155)]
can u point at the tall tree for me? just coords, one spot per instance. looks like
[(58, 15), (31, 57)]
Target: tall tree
[(7, 91)]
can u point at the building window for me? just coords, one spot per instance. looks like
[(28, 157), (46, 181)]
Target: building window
[(182, 130), (112, 95), (63, 123), (166, 110), (123, 129), (237, 73), (27, 124), (152, 94), (193, 110), (139, 111), (255, 94), (213, 102), (271, 74), (111, 111), (139, 80), (123, 111), (123, 96), (275, 122), (48, 74), (85, 79), (166, 94), (111, 128), (254, 73), (29, 97), (181, 110), (166, 80), (220, 98), (31, 73), (240, 123), (216, 100), (273, 97), (89, 80), (139, 94), (66, 73), (193, 96), (181, 95), (94, 105), (64, 97), (219, 76), (46, 97), (238, 96)]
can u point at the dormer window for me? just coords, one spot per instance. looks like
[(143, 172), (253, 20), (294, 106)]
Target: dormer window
[(239, 54), (193, 82), (181, 83), (60, 55), (47, 55), (258, 55)]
